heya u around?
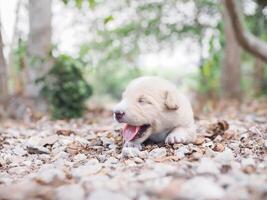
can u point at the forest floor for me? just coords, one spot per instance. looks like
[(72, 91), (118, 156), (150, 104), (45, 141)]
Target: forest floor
[(81, 159)]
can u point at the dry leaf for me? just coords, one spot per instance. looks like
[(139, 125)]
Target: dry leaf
[(217, 129), (65, 132), (229, 134), (249, 169), (219, 147), (199, 140)]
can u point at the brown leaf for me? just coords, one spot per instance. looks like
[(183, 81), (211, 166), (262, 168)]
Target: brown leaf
[(219, 147), (229, 134), (216, 129), (65, 132), (74, 148), (199, 140), (225, 169), (168, 158), (219, 126), (249, 169), (223, 125)]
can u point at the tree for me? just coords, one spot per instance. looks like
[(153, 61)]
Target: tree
[(17, 66), (3, 69), (259, 79), (258, 29), (123, 37), (248, 41), (39, 44), (231, 70)]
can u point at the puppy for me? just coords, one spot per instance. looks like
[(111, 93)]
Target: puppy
[(152, 108)]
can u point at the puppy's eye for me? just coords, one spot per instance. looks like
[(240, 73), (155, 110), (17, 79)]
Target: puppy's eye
[(142, 100)]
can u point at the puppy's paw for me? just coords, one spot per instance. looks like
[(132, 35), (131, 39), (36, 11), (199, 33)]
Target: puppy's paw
[(178, 137), (130, 152), (133, 145)]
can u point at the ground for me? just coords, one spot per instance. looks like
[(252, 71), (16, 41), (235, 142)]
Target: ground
[(81, 159)]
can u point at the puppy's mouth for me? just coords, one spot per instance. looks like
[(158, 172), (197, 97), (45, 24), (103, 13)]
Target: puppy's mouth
[(131, 132)]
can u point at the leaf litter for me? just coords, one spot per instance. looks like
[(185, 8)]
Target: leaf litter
[(81, 159)]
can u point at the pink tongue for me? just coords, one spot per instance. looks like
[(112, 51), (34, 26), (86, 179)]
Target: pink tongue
[(129, 132)]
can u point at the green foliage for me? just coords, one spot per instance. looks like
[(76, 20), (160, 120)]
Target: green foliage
[(19, 55), (151, 29), (110, 80), (111, 73), (65, 88), (108, 19), (79, 3), (115, 49), (209, 72), (129, 29)]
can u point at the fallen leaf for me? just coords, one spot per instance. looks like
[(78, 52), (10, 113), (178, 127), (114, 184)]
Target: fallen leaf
[(199, 140), (219, 147), (216, 129), (65, 132)]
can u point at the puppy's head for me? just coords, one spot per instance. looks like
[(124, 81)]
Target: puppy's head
[(144, 106)]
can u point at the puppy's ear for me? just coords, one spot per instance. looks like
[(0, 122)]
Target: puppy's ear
[(171, 101)]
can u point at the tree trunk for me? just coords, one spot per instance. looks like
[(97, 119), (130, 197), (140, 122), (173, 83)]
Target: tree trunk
[(231, 70), (259, 30), (259, 76), (3, 69), (248, 41), (16, 75), (39, 44)]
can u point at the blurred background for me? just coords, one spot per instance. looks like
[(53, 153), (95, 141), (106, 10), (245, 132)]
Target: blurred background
[(58, 55)]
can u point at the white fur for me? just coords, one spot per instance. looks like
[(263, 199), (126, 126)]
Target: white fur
[(156, 101)]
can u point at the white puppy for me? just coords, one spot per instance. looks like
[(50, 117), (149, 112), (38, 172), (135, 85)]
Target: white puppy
[(151, 107)]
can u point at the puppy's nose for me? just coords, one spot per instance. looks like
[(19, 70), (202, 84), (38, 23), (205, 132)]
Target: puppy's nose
[(119, 115)]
